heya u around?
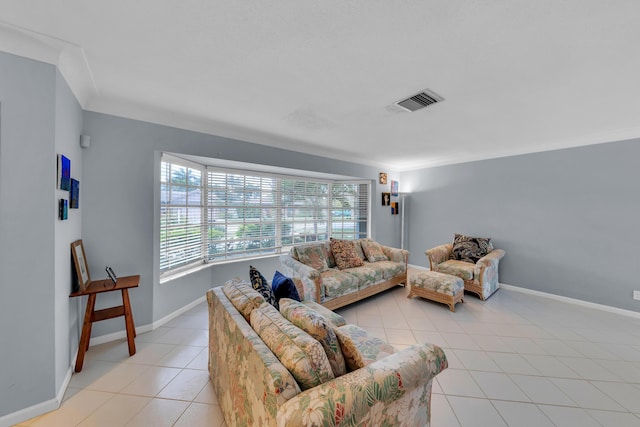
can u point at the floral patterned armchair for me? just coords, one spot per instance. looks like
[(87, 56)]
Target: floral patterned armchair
[(480, 277)]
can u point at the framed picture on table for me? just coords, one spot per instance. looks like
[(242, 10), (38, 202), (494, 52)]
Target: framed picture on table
[(80, 264)]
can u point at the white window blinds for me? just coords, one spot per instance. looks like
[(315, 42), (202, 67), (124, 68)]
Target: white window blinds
[(212, 214), (181, 215)]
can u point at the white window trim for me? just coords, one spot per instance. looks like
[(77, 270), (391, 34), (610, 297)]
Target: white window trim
[(186, 269)]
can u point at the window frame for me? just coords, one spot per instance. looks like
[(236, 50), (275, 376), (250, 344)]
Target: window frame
[(361, 220)]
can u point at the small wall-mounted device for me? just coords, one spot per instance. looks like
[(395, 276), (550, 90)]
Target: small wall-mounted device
[(85, 141)]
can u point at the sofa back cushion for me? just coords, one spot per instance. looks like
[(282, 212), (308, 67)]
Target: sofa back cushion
[(312, 255), (302, 355), (345, 254), (326, 249), (243, 297), (313, 323), (373, 251), (358, 245), (334, 318), (361, 348)]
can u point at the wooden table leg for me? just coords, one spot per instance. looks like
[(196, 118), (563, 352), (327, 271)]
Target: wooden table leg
[(128, 321), (83, 346)]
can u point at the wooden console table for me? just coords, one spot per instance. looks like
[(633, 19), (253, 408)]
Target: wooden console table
[(91, 315)]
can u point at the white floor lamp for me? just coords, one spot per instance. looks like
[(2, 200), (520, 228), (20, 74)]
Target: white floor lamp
[(403, 208)]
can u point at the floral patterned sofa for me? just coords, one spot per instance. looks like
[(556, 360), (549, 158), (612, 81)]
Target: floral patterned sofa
[(480, 273), (254, 387), (314, 269)]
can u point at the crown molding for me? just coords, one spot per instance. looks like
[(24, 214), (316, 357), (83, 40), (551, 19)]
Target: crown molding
[(68, 57)]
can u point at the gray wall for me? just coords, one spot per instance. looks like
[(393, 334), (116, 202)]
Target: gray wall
[(27, 217), (39, 118), (568, 219), (120, 207), (67, 312)]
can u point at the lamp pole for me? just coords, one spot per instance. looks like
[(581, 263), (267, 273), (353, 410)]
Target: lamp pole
[(402, 209)]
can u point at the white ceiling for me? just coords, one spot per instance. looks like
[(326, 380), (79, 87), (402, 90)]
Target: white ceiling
[(517, 76)]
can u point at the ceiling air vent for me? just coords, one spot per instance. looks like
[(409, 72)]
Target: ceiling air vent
[(419, 100)]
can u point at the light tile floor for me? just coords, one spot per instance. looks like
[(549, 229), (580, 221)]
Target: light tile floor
[(514, 360)]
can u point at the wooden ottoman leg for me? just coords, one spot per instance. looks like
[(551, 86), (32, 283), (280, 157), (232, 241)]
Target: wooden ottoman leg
[(455, 299)]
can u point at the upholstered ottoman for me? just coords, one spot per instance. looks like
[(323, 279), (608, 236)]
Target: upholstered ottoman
[(437, 287)]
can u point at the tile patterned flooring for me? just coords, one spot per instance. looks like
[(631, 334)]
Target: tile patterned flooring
[(514, 360)]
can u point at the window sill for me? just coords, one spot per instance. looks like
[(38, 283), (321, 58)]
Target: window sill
[(182, 273)]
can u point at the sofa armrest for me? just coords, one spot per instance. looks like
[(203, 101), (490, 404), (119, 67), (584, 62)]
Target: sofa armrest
[(236, 353), (486, 270), (439, 254), (395, 254), (308, 276), (374, 395)]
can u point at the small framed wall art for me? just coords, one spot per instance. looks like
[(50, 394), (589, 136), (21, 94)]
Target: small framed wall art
[(386, 199), (394, 188), (74, 194), (64, 173), (395, 210), (63, 209), (383, 177)]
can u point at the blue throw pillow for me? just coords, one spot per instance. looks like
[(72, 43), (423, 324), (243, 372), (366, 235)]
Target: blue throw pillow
[(260, 284), (283, 287)]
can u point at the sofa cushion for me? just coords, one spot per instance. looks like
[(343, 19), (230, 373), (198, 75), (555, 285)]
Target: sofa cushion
[(283, 287), (373, 251), (344, 252), (361, 348), (462, 269), (387, 269), (470, 249), (337, 282), (312, 255), (319, 328), (333, 317), (302, 355), (243, 297), (299, 287), (328, 256), (366, 275), (260, 284), (358, 245)]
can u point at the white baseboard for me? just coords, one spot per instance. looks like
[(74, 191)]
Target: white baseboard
[(177, 313), (602, 307), (39, 408), (582, 303), (117, 335), (30, 412), (146, 328), (53, 404)]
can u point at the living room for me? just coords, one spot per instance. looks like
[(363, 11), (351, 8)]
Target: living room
[(564, 210)]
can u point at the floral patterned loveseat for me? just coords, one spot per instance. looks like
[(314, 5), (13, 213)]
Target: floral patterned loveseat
[(313, 268), (254, 387)]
